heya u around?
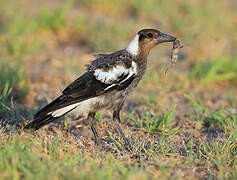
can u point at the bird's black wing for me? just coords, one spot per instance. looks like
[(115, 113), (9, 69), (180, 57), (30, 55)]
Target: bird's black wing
[(95, 82), (114, 70)]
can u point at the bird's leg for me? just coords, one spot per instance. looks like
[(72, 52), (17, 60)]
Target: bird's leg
[(116, 120), (91, 117)]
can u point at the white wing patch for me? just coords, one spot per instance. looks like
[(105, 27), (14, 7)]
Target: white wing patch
[(133, 46), (114, 74)]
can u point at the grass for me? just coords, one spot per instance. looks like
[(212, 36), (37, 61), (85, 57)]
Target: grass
[(217, 119), (174, 136), (39, 157), (54, 20), (6, 92), (154, 123), (29, 159), (216, 71), (13, 78), (18, 40)]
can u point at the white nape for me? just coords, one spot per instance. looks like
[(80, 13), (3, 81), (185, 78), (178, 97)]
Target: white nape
[(133, 46), (82, 107)]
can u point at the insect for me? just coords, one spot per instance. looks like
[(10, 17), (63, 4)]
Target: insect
[(174, 54)]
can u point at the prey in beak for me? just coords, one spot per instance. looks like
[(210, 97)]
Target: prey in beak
[(147, 39), (174, 54), (150, 38)]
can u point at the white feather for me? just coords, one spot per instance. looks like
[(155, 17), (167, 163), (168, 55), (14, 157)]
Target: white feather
[(133, 46), (110, 86), (112, 75), (131, 71), (82, 107)]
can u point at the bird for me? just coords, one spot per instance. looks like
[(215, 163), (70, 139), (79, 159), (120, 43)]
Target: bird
[(105, 84)]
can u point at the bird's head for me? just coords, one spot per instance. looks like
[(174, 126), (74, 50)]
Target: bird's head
[(146, 39)]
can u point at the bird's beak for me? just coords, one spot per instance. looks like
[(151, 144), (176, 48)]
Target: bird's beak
[(165, 38)]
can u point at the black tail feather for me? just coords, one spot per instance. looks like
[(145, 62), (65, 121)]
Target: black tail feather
[(40, 122)]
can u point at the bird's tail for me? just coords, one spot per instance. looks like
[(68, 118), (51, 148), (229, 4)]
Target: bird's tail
[(40, 122), (50, 113)]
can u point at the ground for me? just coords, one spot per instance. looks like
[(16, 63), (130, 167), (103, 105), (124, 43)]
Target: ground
[(182, 125)]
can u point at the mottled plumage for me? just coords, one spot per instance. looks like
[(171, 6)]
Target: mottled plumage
[(105, 84)]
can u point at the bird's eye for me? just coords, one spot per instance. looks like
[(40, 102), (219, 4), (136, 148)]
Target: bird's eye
[(150, 35)]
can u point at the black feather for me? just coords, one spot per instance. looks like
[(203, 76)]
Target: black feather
[(40, 122)]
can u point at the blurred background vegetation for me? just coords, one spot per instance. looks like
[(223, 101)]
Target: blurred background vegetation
[(61, 35), (45, 44)]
